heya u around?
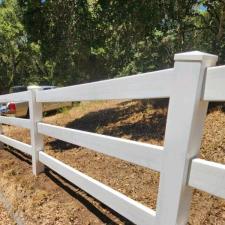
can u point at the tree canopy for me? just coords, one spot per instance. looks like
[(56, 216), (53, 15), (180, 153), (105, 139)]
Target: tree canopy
[(67, 42)]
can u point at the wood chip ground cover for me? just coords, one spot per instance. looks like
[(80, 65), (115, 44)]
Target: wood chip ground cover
[(48, 199), (5, 219)]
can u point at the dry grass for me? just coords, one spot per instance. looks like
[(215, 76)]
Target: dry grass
[(48, 199)]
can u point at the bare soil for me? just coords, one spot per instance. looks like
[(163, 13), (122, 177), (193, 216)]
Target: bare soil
[(49, 199), (5, 219)]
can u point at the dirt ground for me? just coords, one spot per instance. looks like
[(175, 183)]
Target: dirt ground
[(48, 199), (5, 219)]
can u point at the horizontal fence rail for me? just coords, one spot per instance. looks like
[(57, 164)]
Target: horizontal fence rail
[(214, 84), (208, 176), (15, 97), (148, 85), (127, 207), (25, 148), (190, 85), (24, 96), (23, 123), (139, 153)]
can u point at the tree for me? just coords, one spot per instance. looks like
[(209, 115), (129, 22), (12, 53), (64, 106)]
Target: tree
[(19, 60), (74, 41)]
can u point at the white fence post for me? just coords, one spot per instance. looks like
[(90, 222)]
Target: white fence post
[(35, 110), (183, 136)]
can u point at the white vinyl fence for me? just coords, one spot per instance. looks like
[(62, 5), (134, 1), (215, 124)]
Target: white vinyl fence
[(190, 85)]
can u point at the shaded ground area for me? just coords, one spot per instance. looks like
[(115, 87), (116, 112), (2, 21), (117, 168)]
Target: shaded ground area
[(48, 199), (136, 120)]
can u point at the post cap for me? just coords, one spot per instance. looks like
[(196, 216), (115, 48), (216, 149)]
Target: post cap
[(195, 56), (33, 87)]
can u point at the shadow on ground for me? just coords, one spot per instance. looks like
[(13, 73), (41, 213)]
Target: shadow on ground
[(75, 192), (142, 120)]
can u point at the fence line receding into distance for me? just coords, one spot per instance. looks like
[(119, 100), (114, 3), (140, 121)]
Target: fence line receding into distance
[(190, 85)]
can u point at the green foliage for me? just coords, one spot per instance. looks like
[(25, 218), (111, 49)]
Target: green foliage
[(19, 59), (66, 42)]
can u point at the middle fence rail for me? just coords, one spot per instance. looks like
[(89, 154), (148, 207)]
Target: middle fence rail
[(190, 85)]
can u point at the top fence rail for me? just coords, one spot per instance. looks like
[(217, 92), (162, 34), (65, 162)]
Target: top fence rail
[(214, 85), (148, 85), (15, 97)]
